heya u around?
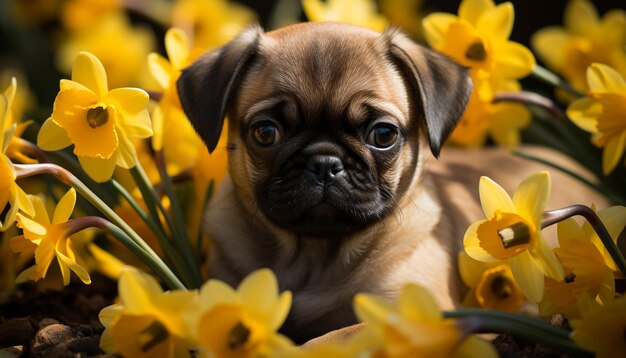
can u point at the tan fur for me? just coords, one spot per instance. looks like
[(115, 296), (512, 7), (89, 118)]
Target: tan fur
[(333, 68)]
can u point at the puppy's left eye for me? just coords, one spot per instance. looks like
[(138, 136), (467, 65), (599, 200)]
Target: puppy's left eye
[(266, 134), (383, 136)]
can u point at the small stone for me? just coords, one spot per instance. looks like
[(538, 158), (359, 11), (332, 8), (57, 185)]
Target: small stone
[(49, 337), (47, 321)]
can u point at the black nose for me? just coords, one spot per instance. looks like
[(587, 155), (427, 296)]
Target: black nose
[(325, 167)]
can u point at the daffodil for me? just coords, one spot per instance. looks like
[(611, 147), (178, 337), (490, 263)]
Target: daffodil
[(500, 121), (415, 327), (148, 322), (601, 329), (117, 43), (491, 285), (10, 192), (603, 113), (586, 274), (614, 219), (243, 323), (49, 239), (585, 38), (212, 23), (359, 12), (85, 110), (512, 233), (182, 145), (478, 38)]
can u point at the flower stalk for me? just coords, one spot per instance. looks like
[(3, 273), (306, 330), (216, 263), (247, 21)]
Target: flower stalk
[(547, 76), (118, 227), (553, 216)]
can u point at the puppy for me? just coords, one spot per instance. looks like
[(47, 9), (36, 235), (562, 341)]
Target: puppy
[(330, 127)]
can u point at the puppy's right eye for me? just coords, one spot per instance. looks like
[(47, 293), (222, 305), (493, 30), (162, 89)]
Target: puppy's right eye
[(266, 134)]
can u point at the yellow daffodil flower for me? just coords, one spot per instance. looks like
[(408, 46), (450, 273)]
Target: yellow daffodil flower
[(118, 44), (10, 192), (512, 233), (603, 113), (82, 15), (148, 322), (501, 121), (478, 39), (17, 149), (49, 239), (614, 219), (585, 274), (491, 285), (359, 12), (415, 327), (85, 109), (243, 323), (586, 38), (601, 329), (182, 145), (212, 23)]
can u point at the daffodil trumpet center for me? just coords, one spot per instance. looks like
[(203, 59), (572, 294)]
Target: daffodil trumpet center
[(515, 235), (154, 334), (97, 116), (570, 277), (238, 336), (501, 287), (476, 51)]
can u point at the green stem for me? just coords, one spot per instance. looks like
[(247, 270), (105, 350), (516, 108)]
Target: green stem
[(205, 204), (491, 321), (609, 194), (554, 216), (148, 255), (181, 239), (545, 75)]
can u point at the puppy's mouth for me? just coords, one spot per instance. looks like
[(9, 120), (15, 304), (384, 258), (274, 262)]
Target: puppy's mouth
[(332, 208)]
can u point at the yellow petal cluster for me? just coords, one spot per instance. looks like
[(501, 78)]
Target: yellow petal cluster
[(414, 327), (212, 23), (48, 239), (359, 12), (512, 233), (85, 110), (587, 275), (603, 113), (584, 39), (491, 285), (218, 321), (601, 329), (478, 38)]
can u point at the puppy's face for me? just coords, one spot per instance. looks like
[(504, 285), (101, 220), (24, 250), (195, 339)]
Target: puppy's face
[(325, 120)]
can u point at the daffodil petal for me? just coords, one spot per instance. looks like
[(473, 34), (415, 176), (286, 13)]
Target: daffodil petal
[(137, 289), (214, 292), (26, 275), (471, 270), (51, 136), (9, 218), (138, 125), (546, 259), (581, 18), (531, 197), (43, 258), (602, 78), (513, 60), (98, 169), (24, 203), (159, 69), (177, 46), (494, 198), (613, 152), (21, 245), (472, 246), (126, 153), (65, 269), (65, 207), (528, 276), (475, 347), (568, 232), (613, 27), (584, 113), (109, 313), (258, 291), (435, 27), (129, 100), (497, 22), (88, 71), (280, 311), (41, 213), (417, 303), (372, 309), (31, 225), (471, 10)]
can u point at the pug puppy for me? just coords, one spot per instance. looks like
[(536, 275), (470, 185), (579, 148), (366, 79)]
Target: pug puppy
[(330, 128)]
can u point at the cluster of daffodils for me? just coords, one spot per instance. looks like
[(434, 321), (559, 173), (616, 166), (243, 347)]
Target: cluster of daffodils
[(117, 137)]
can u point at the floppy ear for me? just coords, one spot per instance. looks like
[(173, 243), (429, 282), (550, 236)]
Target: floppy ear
[(442, 88), (207, 86)]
